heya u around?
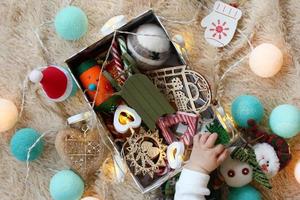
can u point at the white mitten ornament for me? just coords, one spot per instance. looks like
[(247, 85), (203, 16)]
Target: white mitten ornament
[(221, 24)]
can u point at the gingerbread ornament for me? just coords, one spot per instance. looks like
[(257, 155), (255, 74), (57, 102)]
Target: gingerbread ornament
[(82, 151)]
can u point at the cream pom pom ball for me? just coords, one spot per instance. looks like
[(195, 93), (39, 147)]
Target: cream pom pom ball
[(8, 115), (266, 60)]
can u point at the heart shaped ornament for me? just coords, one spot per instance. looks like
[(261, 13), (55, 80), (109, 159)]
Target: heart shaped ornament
[(148, 148), (83, 152), (126, 118)]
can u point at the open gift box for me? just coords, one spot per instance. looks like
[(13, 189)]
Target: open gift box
[(156, 103)]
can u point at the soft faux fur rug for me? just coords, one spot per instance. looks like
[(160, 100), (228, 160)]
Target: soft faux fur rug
[(263, 21)]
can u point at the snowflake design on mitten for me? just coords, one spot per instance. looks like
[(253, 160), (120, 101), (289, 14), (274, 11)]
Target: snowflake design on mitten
[(219, 29)]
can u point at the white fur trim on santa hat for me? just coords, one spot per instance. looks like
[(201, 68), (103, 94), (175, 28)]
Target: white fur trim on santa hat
[(35, 76)]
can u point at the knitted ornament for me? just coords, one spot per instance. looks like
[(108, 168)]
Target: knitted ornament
[(244, 193), (71, 23), (8, 114), (24, 139), (236, 173), (66, 185), (89, 76), (246, 107), (56, 81), (279, 145), (149, 51), (285, 121)]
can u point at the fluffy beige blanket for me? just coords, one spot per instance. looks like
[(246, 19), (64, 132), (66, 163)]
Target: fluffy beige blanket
[(263, 21)]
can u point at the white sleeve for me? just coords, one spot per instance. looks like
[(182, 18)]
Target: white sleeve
[(192, 185)]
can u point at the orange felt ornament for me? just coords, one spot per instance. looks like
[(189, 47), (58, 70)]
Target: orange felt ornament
[(90, 76)]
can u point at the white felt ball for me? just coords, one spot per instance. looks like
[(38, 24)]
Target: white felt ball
[(35, 76), (8, 115), (266, 60), (236, 173)]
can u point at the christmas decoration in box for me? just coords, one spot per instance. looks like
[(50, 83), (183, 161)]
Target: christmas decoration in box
[(149, 103)]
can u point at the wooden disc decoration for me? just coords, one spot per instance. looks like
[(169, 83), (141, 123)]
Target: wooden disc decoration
[(83, 152), (146, 152), (188, 89)]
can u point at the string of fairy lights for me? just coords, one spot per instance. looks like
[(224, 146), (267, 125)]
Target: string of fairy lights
[(180, 43)]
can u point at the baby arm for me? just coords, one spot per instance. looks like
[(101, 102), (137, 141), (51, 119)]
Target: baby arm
[(205, 158)]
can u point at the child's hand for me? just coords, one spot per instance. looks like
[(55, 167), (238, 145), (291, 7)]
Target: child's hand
[(206, 157)]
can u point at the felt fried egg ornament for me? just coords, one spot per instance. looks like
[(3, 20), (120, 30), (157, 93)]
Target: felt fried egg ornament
[(267, 159), (236, 173)]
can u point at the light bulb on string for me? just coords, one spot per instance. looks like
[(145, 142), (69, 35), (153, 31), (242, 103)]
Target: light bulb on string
[(8, 115), (112, 24), (89, 198), (266, 60), (297, 172)]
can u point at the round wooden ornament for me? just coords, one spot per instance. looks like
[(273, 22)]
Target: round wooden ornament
[(146, 152)]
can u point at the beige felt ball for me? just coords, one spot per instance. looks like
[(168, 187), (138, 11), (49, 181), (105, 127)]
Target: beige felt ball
[(8, 115), (266, 60)]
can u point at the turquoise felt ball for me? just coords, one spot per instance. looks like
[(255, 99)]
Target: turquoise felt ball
[(71, 23), (244, 193), (66, 185), (285, 120), (22, 140), (246, 107)]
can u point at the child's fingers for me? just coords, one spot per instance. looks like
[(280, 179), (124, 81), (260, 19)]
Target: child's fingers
[(204, 138), (222, 156), (196, 138), (219, 149), (211, 140)]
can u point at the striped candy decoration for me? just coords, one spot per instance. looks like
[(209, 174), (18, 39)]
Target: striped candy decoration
[(165, 123), (123, 48), (118, 62)]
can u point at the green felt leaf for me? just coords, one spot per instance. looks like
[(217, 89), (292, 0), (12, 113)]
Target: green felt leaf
[(140, 94)]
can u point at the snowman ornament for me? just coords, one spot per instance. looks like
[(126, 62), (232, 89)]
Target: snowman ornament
[(267, 159), (235, 172), (221, 24), (272, 152)]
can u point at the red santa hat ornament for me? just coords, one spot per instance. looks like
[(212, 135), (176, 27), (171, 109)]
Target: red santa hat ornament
[(57, 83)]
